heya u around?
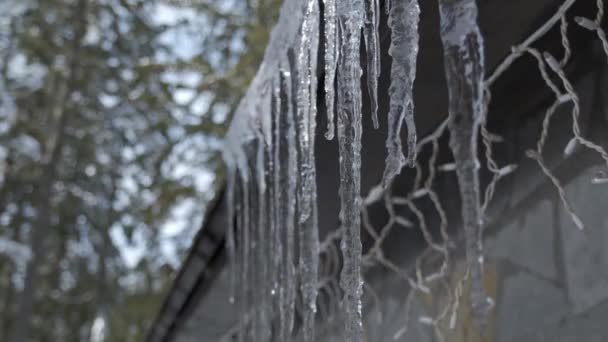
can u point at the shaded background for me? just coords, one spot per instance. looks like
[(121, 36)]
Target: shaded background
[(111, 114)]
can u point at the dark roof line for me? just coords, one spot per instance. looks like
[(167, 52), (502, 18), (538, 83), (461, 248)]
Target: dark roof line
[(203, 263)]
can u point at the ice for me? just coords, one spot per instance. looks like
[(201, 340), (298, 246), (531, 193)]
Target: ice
[(350, 20), (464, 66), (275, 195), (306, 107), (262, 327), (307, 195), (230, 239), (264, 150), (331, 60), (403, 21), (372, 47), (246, 245), (287, 205)]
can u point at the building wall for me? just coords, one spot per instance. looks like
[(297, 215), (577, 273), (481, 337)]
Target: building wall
[(549, 280)]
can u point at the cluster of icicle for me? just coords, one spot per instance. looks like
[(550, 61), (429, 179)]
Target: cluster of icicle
[(272, 238)]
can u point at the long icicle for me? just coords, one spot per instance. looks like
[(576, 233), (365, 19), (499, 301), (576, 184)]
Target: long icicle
[(349, 140), (403, 20), (331, 60), (306, 108), (262, 330), (464, 66), (287, 203), (245, 243), (307, 196), (275, 174), (372, 48), (230, 235)]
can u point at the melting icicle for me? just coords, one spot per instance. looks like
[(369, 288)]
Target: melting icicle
[(306, 83), (307, 195), (256, 264), (262, 331), (282, 162), (464, 66), (349, 141), (275, 249), (331, 60), (372, 47), (286, 202), (403, 21), (230, 242), (245, 242)]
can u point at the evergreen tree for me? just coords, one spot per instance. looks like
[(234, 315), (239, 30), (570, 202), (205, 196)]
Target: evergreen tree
[(105, 129)]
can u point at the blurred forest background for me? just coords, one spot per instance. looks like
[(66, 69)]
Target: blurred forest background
[(111, 117)]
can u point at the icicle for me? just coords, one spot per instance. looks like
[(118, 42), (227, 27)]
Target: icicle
[(230, 242), (331, 60), (403, 21), (254, 247), (256, 262), (286, 202), (306, 83), (309, 265), (275, 172), (282, 162), (464, 65), (349, 141), (372, 47), (242, 210), (262, 331), (307, 195), (247, 221)]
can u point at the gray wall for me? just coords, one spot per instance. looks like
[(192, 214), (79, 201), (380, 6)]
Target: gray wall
[(549, 280)]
